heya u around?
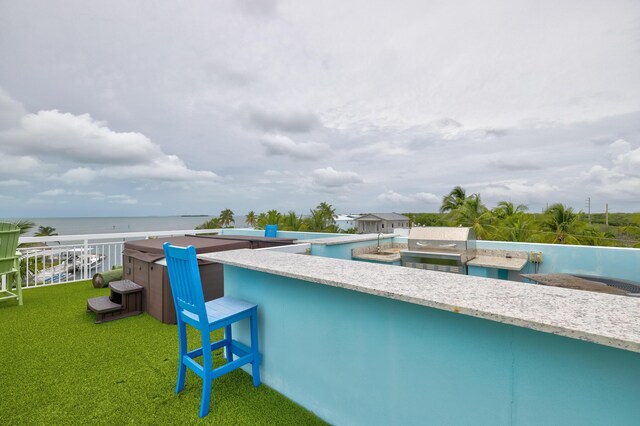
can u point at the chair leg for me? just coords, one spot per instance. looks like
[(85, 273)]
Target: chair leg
[(207, 365), (182, 368), (228, 338), (19, 287), (255, 364)]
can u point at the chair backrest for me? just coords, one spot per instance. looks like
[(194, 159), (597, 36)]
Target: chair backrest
[(9, 234), (184, 278), (271, 231)]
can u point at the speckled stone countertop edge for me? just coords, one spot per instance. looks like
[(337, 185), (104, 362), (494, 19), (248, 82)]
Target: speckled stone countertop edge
[(562, 330), (347, 239), (511, 264)]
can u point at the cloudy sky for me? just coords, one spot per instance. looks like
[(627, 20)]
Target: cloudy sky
[(146, 107)]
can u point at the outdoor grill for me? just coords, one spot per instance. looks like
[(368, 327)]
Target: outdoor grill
[(440, 249)]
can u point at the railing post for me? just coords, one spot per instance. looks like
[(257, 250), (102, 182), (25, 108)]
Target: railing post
[(85, 260)]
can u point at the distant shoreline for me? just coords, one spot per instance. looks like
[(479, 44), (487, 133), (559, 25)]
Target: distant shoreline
[(194, 215), (108, 225)]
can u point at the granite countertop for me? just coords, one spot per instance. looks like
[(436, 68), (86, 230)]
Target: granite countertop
[(510, 263), (378, 257), (345, 239), (595, 317)]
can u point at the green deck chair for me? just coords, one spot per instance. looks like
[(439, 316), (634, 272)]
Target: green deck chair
[(10, 261)]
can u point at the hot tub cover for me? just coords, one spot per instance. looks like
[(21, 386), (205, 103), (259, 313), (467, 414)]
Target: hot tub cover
[(152, 250)]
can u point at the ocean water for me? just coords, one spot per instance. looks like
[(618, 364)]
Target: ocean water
[(105, 225)]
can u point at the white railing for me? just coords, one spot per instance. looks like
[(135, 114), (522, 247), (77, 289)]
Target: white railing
[(69, 258)]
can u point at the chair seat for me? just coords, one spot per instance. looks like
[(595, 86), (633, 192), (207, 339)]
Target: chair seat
[(222, 308)]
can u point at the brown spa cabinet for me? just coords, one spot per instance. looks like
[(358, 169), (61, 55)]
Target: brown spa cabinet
[(139, 257)]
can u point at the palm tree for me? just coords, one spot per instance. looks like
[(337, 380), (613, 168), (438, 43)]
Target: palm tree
[(24, 225), (454, 200), (561, 224), (474, 214), (272, 217), (518, 228), (226, 217), (317, 221), (592, 236), (506, 209), (214, 223), (328, 211), (251, 219), (45, 231), (291, 221)]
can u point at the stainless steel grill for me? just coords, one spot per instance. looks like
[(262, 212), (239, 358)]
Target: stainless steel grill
[(440, 249)]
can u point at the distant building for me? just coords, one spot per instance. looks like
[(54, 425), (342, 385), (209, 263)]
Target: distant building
[(346, 221), (381, 222)]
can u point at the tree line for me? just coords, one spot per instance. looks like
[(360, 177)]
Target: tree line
[(320, 219), (558, 224)]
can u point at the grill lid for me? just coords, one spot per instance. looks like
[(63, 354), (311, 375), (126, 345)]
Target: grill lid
[(442, 233), (442, 242)]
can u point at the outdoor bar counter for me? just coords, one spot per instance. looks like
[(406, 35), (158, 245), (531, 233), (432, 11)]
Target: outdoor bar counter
[(360, 343)]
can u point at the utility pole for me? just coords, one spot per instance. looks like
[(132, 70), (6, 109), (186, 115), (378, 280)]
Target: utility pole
[(589, 208), (606, 214)]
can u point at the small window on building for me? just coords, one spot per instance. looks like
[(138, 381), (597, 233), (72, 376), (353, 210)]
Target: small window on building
[(383, 226)]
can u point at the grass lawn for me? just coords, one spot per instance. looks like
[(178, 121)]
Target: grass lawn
[(58, 367)]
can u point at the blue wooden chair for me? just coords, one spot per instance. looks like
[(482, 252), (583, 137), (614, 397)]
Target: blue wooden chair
[(271, 231), (191, 309)]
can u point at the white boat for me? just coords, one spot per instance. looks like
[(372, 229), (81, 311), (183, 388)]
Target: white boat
[(54, 274)]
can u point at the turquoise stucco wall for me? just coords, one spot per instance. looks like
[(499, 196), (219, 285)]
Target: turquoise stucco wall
[(481, 271), (616, 262), (359, 359)]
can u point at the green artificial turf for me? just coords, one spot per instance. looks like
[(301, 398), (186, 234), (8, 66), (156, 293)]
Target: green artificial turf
[(58, 367)]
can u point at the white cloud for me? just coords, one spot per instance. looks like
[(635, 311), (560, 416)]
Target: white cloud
[(628, 162), (19, 165), (420, 197), (79, 176), (13, 182), (428, 197), (119, 199), (283, 145), (330, 178), (395, 197), (620, 178), (52, 192), (272, 120), (65, 137), (60, 194), (78, 138), (166, 168), (10, 110), (521, 190)]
